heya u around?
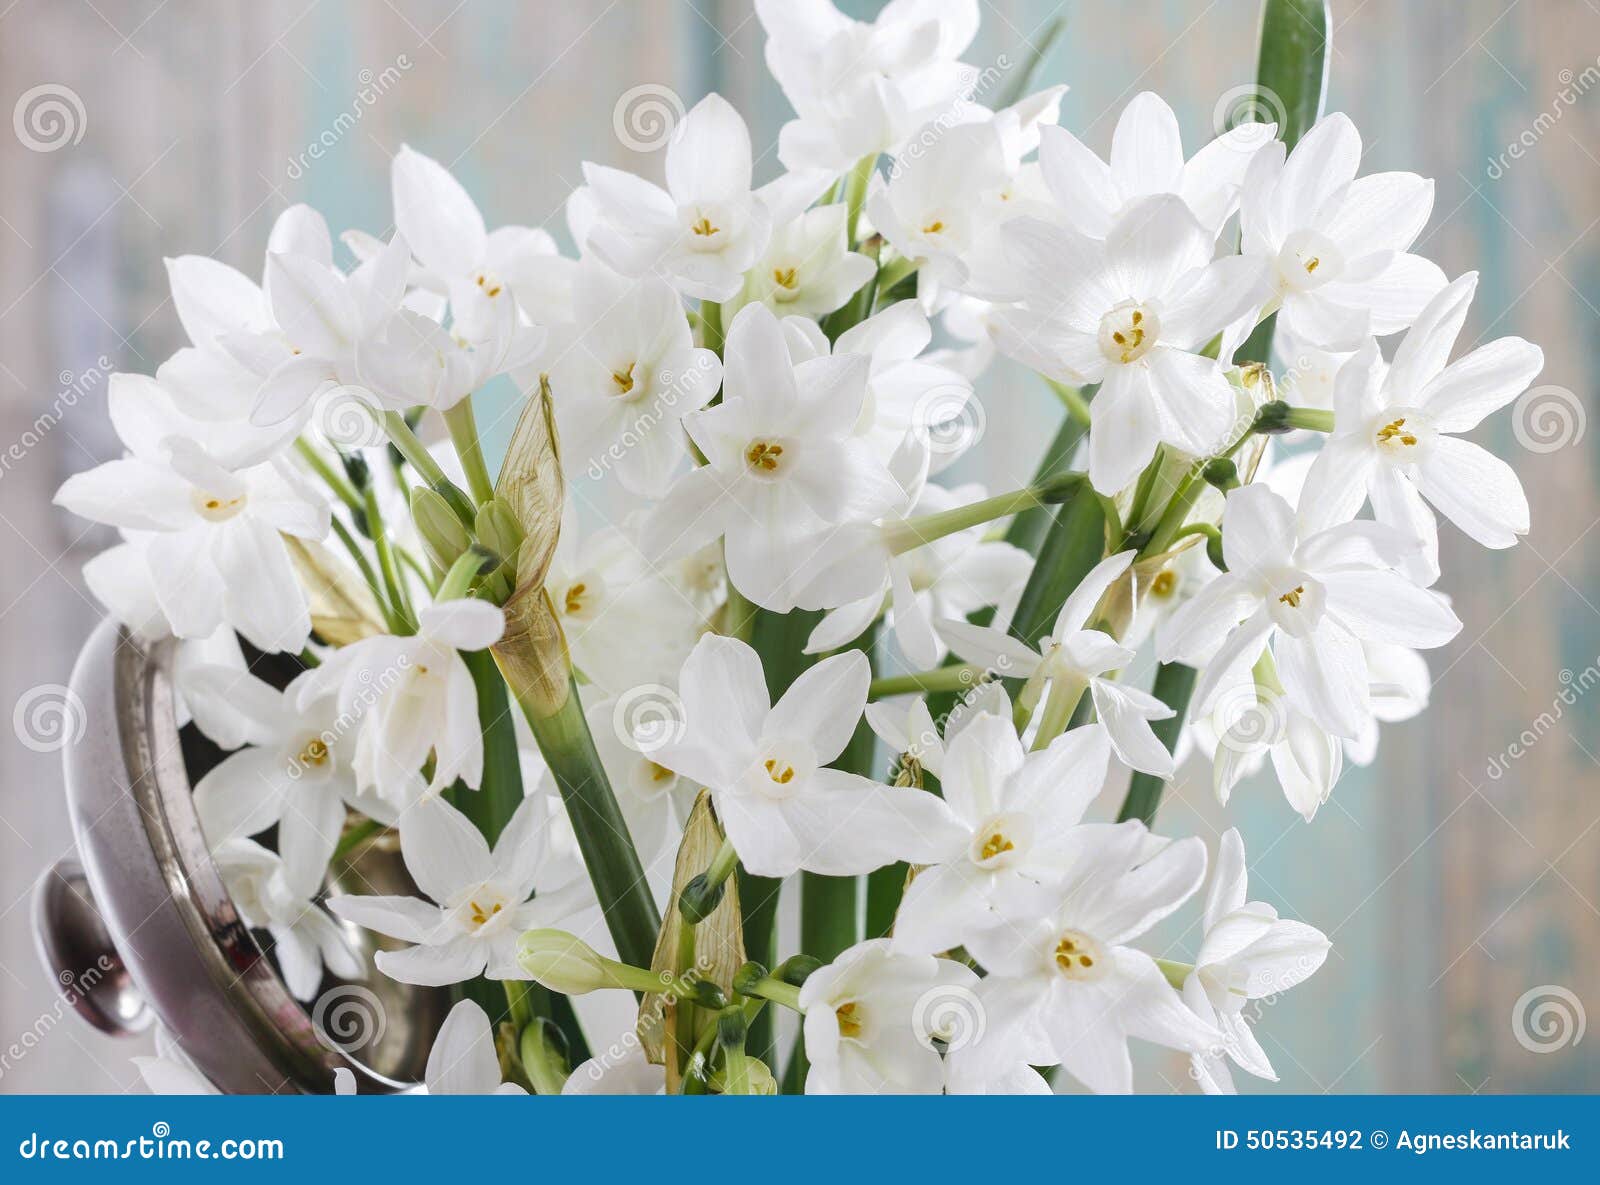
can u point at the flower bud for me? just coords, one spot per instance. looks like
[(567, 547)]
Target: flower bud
[(498, 530), (747, 976), (1222, 473), (796, 969), (443, 536), (699, 899), (566, 964)]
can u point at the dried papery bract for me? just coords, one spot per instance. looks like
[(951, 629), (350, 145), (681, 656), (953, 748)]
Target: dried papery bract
[(718, 950), (342, 608), (532, 656)]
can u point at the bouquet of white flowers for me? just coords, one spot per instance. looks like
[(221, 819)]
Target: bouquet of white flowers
[(607, 758)]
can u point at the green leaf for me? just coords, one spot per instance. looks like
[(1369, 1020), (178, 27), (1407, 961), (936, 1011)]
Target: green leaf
[(1293, 63), (1291, 83), (1173, 686)]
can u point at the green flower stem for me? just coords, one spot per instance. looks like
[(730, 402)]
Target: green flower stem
[(463, 427), (774, 990), (1072, 399), (855, 194), (711, 329), (364, 566), (1175, 972), (722, 864), (335, 481), (607, 848), (402, 619), (541, 1060), (731, 1028), (912, 533), (952, 678), (416, 453), (1058, 709), (1173, 686)]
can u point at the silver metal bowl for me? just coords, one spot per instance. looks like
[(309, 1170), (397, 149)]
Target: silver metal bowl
[(143, 929)]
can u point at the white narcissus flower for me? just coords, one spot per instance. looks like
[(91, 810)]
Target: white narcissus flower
[(463, 1058), (625, 622), (476, 268), (1074, 658), (907, 392), (1129, 313), (322, 315), (871, 1018), (1400, 684), (948, 578), (808, 269), (413, 695), (1251, 721), (1337, 245), (1394, 437), (862, 88), (171, 1070), (1063, 985), (229, 322), (623, 375), (1316, 598), (767, 767), (1146, 160), (277, 895), (782, 464), (479, 906), (295, 771), (706, 229), (935, 208), (1248, 953), (623, 1069), (412, 361), (1015, 813), (214, 548), (654, 799), (907, 727)]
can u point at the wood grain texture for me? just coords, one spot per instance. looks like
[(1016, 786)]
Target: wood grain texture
[(1449, 892)]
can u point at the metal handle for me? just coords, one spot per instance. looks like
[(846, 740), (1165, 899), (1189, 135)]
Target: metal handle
[(76, 947)]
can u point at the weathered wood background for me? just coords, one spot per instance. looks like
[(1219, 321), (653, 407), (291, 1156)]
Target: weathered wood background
[(1450, 893)]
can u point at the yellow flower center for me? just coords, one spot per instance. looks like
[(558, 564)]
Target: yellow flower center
[(702, 227), (1395, 431), (994, 845), (780, 772), (574, 598), (624, 378), (934, 228), (1292, 597), (491, 288), (763, 455), (314, 753), (660, 773), (1077, 956), (479, 916), (784, 277), (1164, 584), (215, 508), (849, 1017)]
